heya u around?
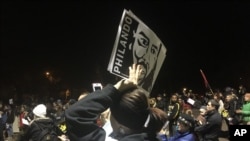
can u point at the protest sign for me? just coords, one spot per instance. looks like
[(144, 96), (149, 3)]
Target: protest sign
[(137, 43)]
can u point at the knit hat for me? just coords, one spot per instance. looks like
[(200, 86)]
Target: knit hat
[(40, 110), (186, 119)]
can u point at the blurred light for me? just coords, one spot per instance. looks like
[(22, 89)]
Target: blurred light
[(47, 73)]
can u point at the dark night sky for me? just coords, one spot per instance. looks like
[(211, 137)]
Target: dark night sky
[(75, 39)]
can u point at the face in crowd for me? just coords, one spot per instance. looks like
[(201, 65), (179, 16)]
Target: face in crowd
[(174, 98), (247, 97), (202, 112), (145, 51), (228, 98), (212, 105)]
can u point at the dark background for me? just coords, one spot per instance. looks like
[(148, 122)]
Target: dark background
[(74, 39)]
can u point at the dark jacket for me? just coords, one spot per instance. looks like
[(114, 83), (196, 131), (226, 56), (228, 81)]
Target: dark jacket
[(33, 131), (212, 128), (10, 116), (174, 112), (231, 106), (81, 117)]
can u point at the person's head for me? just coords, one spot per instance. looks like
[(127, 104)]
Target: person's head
[(145, 51), (235, 97), (185, 123), (152, 102), (157, 120), (216, 97), (203, 110), (159, 97), (40, 111), (23, 108), (131, 113), (247, 97), (212, 105), (180, 100), (174, 98), (229, 97)]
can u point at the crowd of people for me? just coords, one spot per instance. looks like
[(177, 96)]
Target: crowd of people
[(124, 112)]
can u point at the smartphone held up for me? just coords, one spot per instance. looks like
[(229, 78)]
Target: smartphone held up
[(96, 86)]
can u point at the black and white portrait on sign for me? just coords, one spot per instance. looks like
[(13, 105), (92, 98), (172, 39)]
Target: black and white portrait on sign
[(136, 43)]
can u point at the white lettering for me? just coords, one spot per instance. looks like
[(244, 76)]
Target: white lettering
[(123, 43), (237, 132), (128, 20), (116, 69), (243, 131), (121, 49), (118, 63), (240, 132)]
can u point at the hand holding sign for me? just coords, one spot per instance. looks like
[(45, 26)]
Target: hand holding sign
[(132, 80), (134, 73), (137, 43)]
